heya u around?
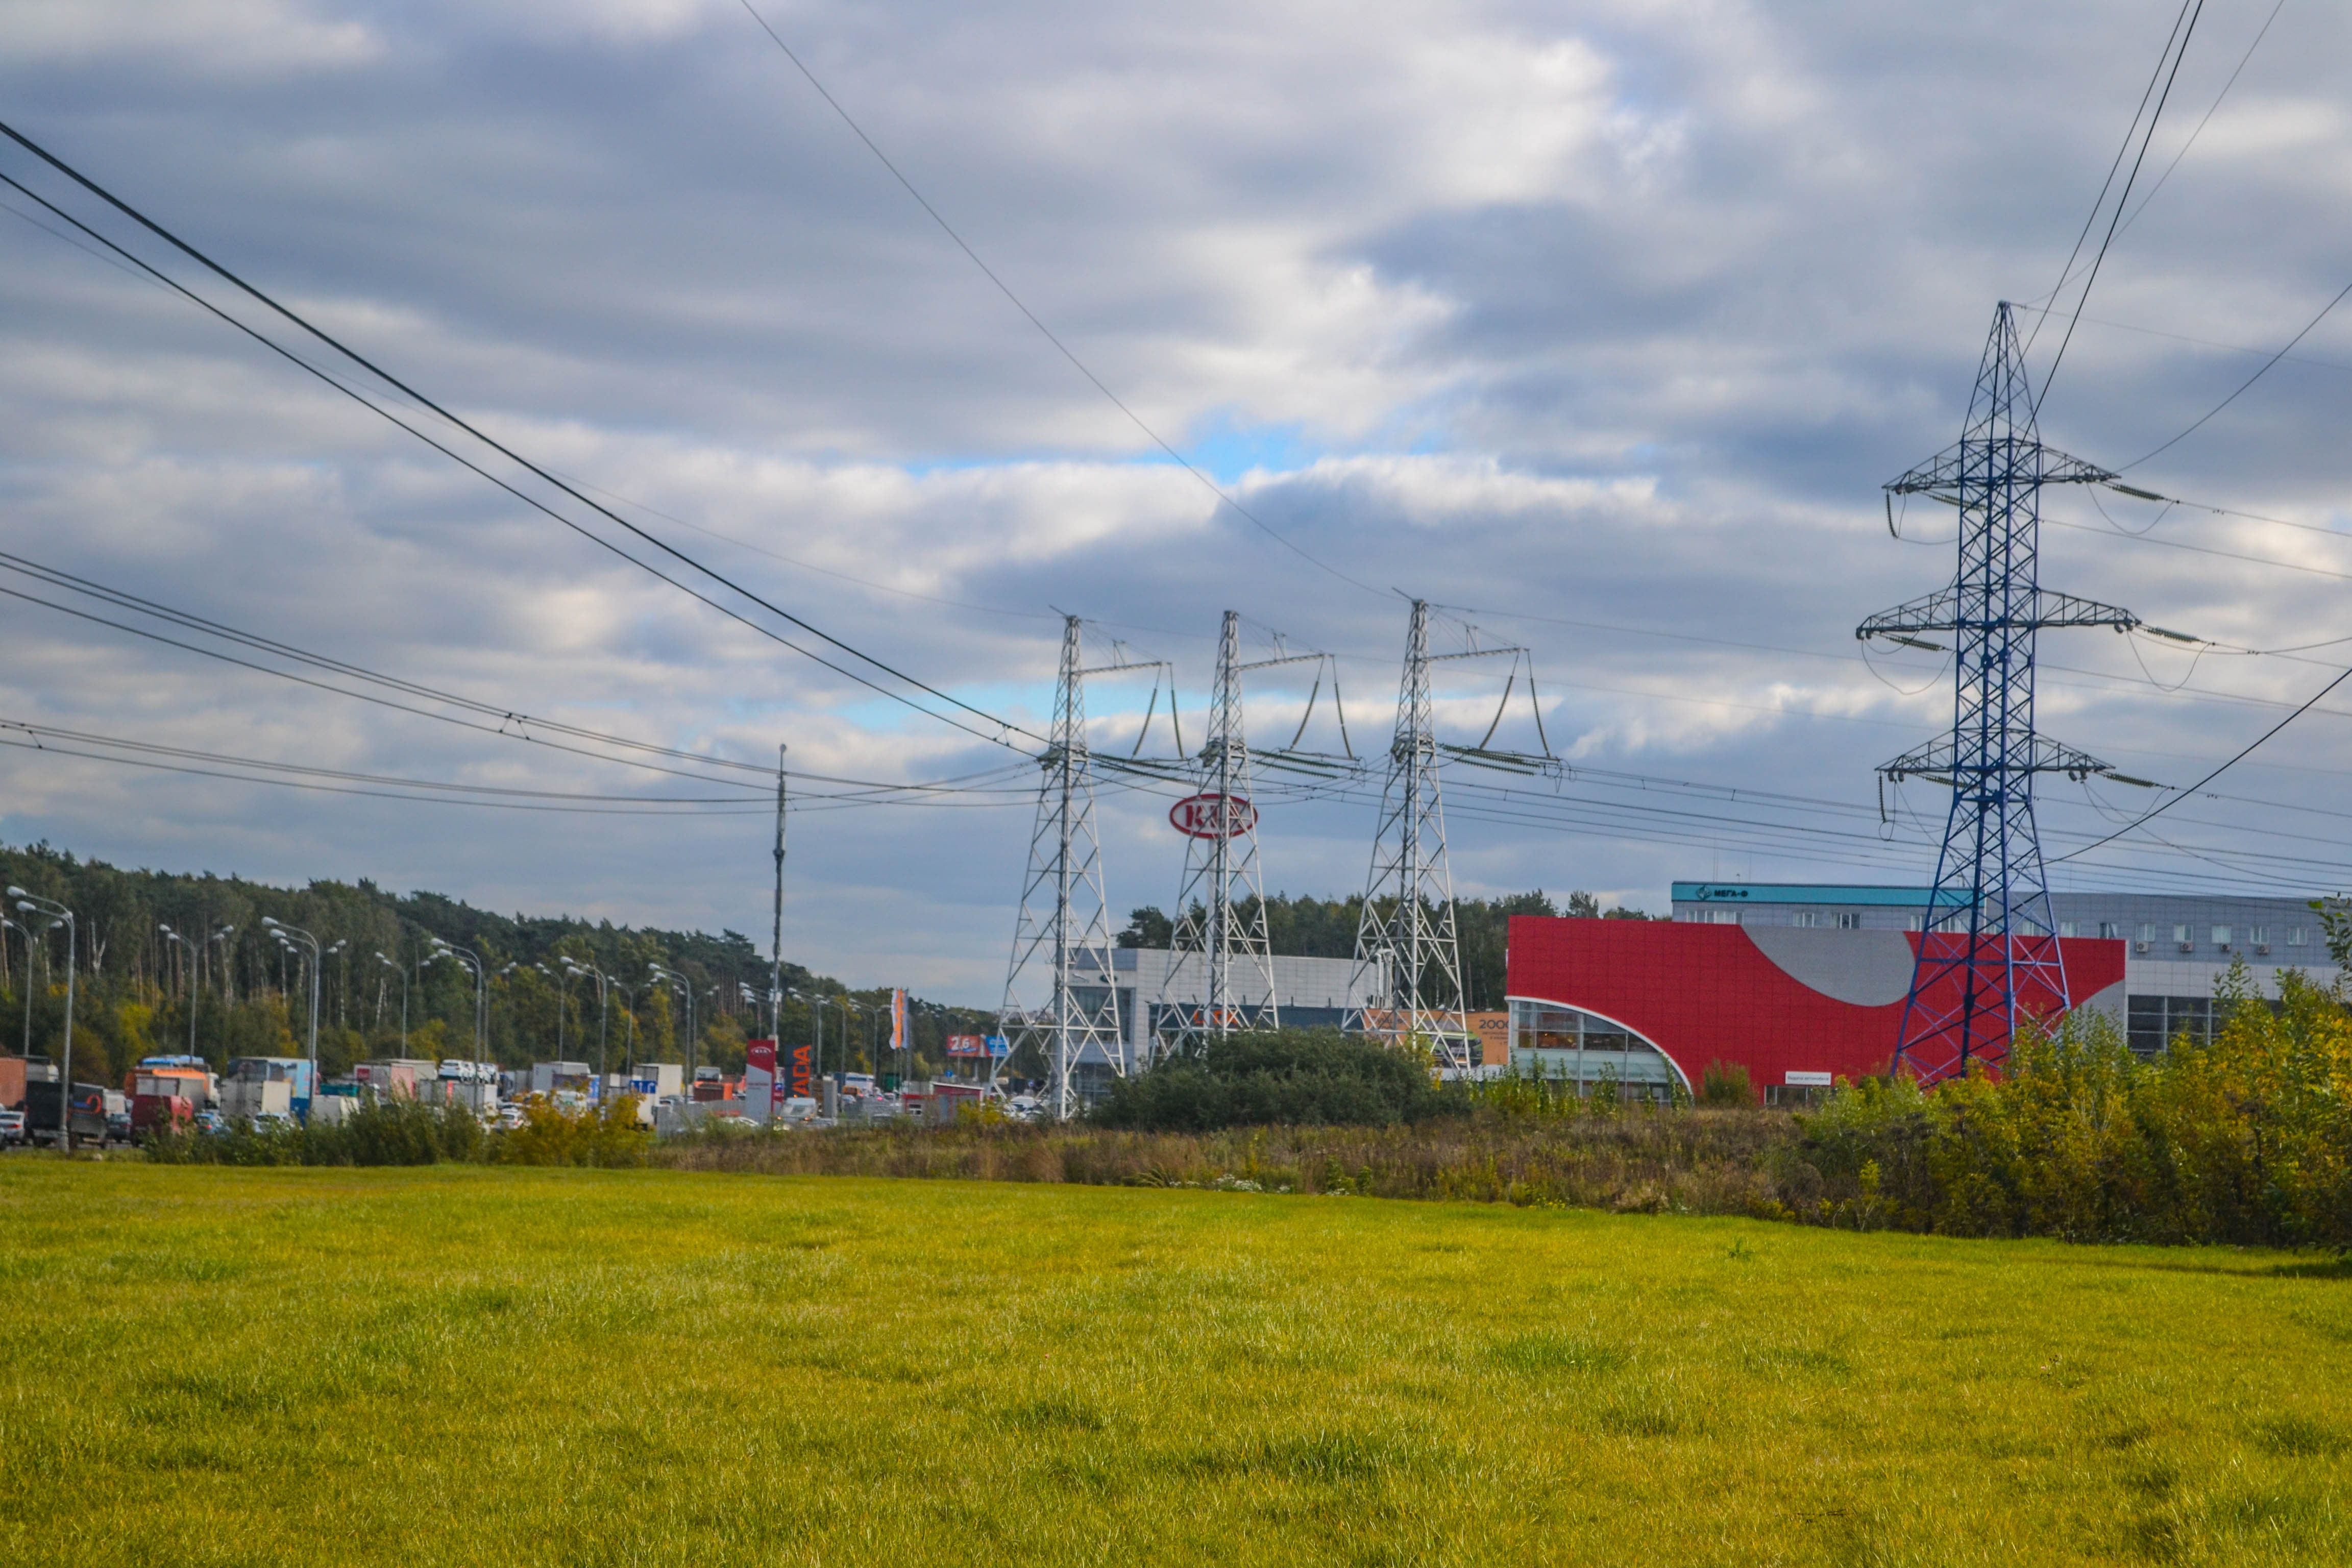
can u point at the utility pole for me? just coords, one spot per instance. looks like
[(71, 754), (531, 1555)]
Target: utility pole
[(1989, 956), (1062, 937), (776, 949)]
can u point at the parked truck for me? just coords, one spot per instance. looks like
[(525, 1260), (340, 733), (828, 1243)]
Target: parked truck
[(16, 1072), (89, 1112), (167, 1097), (259, 1087)]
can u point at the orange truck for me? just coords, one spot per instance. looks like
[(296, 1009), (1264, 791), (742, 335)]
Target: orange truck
[(166, 1097)]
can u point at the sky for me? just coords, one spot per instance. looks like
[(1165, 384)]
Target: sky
[(1598, 326)]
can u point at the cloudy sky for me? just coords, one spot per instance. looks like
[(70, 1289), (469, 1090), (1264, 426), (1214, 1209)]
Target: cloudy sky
[(1597, 325)]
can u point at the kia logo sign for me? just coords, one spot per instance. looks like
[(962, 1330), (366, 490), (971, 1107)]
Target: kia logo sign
[(1212, 815)]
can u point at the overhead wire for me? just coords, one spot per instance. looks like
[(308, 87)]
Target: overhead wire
[(2192, 10), (1002, 726), (1151, 434), (2198, 423)]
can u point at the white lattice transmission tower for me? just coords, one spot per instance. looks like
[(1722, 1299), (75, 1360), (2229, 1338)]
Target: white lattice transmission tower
[(1407, 951), (1059, 994), (1221, 967)]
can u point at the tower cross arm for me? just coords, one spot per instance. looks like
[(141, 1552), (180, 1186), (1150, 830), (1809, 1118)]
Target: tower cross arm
[(2029, 462), (1948, 610), (1939, 760)]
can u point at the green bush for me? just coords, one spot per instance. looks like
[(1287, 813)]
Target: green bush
[(1288, 1077), (1725, 1083), (377, 1132), (2245, 1139)]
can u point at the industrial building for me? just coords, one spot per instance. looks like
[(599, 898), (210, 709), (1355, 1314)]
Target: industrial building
[(1803, 984), (1309, 993)]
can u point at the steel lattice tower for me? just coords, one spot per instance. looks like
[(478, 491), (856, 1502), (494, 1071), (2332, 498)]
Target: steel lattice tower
[(1989, 954), (1062, 939), (1221, 971), (1409, 952)]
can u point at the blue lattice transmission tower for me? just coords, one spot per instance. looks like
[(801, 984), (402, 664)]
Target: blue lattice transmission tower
[(1989, 955)]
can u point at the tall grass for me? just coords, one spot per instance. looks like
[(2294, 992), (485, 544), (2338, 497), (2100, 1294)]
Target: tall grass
[(473, 1364)]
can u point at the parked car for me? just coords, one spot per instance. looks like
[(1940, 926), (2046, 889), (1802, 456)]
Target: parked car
[(118, 1127), (12, 1127)]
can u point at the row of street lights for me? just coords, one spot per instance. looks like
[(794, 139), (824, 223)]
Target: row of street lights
[(50, 914)]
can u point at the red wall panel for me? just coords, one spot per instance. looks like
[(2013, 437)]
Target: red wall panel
[(1707, 993)]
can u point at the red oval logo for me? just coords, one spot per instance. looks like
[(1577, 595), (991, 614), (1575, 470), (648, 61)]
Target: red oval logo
[(1212, 815)]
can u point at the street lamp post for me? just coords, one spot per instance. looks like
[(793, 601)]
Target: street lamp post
[(680, 986), (56, 915), (604, 1018), (468, 958), (297, 941), (402, 971), (195, 950)]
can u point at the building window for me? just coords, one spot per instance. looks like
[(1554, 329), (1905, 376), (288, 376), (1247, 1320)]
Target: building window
[(2110, 932), (1723, 917), (1850, 920), (2259, 935), (2222, 935), (1807, 918), (2181, 935), (2296, 936), (2156, 1022), (1915, 923), (2147, 933), (1564, 1045), (2065, 928)]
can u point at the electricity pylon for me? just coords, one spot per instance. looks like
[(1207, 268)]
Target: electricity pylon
[(1407, 951), (1989, 954), (1062, 940), (1221, 969)]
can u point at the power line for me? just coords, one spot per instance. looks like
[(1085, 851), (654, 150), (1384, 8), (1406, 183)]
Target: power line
[(1002, 726), (2191, 10), (2164, 805), (2250, 381), (1064, 349), (512, 723)]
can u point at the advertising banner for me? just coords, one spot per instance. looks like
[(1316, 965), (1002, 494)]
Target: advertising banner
[(967, 1046), (900, 1037), (759, 1078), (1000, 1046), (803, 1079)]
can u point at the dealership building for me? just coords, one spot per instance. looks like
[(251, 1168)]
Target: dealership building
[(1804, 984), (1309, 993)]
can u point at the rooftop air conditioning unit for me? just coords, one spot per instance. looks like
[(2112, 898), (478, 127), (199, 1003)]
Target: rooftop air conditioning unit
[(2139, 947)]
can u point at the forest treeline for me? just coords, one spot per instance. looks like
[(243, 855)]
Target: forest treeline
[(1325, 928), (138, 989)]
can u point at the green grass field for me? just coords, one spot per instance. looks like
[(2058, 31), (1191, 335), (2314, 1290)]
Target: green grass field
[(495, 1366)]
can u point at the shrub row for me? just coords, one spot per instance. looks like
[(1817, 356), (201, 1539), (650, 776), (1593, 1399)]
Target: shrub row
[(405, 1132)]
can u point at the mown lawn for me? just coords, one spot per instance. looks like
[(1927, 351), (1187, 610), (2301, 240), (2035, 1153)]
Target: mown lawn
[(495, 1366)]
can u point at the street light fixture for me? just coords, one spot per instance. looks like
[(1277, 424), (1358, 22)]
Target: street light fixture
[(603, 1017), (402, 971), (56, 915), (680, 986), (468, 958), (295, 939), (196, 954)]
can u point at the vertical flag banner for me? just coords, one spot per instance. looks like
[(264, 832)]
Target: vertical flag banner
[(899, 1035)]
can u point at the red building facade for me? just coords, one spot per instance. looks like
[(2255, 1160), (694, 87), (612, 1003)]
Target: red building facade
[(1650, 1004)]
